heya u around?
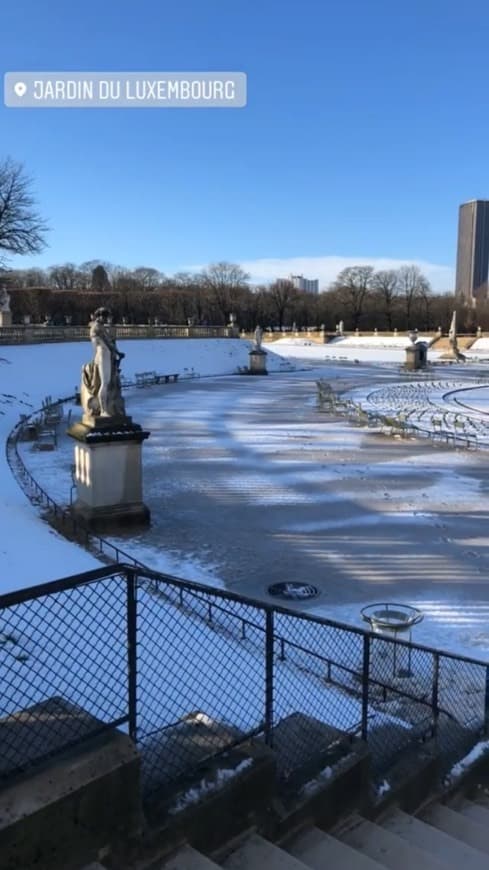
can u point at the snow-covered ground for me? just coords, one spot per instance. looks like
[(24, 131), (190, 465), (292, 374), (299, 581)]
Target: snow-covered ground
[(27, 375), (377, 342), (248, 484), (354, 350)]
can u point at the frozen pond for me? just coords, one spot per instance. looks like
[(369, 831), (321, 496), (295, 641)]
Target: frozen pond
[(249, 484)]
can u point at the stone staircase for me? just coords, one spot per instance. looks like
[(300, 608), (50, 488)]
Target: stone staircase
[(452, 836)]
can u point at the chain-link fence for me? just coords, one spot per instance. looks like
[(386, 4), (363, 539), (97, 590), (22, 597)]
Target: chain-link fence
[(63, 666), (189, 672)]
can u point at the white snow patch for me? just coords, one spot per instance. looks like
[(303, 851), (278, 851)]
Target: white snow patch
[(475, 753), (207, 786)]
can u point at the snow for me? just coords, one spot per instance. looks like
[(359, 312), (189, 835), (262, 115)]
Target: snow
[(480, 344), (207, 786), (378, 342), (346, 350), (27, 375), (475, 753), (320, 502), (315, 784), (284, 468)]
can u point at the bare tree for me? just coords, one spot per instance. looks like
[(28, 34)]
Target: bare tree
[(281, 294), (23, 278), (385, 286), (66, 277), (412, 285), (147, 277), (222, 281), (352, 286), (22, 229)]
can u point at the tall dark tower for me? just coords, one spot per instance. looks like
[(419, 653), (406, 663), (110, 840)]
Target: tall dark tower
[(473, 251)]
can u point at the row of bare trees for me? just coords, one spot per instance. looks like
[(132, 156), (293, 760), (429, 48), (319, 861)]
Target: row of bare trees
[(360, 297)]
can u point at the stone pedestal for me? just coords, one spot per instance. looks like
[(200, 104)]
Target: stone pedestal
[(416, 356), (258, 362), (108, 474), (453, 352), (5, 318)]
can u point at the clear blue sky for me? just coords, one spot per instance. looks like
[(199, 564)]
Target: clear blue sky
[(366, 126)]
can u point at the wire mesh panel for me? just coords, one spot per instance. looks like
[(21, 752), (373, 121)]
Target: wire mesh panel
[(63, 670), (326, 650), (401, 681), (190, 671), (200, 683), (462, 698), (312, 714)]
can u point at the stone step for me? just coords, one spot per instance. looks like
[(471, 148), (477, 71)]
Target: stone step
[(458, 825), (482, 799), (259, 854), (386, 847), (188, 859), (448, 850), (475, 811), (319, 851)]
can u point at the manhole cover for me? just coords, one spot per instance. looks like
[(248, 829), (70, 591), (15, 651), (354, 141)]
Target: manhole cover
[(293, 590)]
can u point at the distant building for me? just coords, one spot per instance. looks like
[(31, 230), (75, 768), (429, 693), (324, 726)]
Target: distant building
[(304, 284), (473, 251)]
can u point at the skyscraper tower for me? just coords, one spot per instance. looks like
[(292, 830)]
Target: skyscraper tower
[(473, 251)]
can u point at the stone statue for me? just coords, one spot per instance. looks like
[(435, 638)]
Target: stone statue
[(4, 299), (258, 337), (452, 333), (100, 392)]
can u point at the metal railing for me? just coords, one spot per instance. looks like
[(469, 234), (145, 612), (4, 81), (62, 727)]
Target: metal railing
[(190, 671), (37, 334), (397, 423)]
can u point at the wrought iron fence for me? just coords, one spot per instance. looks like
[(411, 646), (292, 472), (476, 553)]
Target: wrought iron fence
[(190, 671)]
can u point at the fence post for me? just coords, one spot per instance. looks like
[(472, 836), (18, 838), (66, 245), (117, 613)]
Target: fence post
[(269, 677), (486, 703), (434, 692), (365, 685), (132, 653)]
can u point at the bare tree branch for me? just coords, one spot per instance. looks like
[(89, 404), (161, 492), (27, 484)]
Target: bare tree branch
[(22, 229)]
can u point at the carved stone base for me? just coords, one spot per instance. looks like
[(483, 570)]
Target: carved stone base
[(108, 475), (416, 356), (258, 362), (5, 318), (110, 520), (107, 422)]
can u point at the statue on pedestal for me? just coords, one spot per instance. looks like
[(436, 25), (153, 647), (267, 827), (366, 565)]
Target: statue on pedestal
[(101, 394), (258, 337)]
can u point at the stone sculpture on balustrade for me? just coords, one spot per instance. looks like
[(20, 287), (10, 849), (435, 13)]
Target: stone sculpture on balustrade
[(5, 312)]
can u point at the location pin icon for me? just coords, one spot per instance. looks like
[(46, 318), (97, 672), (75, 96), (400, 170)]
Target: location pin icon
[(20, 89)]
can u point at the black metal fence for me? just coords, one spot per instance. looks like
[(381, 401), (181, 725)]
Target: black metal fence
[(190, 671)]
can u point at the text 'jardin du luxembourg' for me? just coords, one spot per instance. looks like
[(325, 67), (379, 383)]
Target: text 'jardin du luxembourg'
[(125, 90)]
